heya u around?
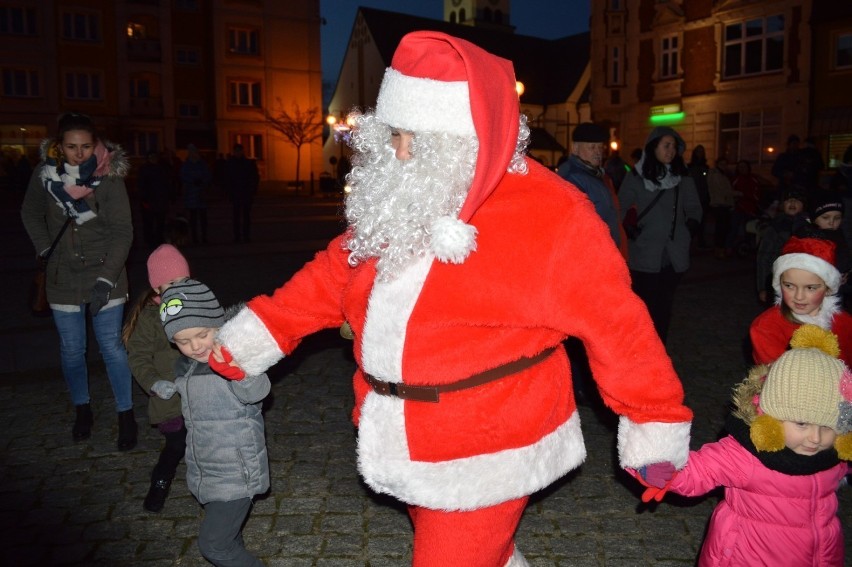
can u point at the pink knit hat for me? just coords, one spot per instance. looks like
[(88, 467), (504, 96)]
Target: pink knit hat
[(166, 264)]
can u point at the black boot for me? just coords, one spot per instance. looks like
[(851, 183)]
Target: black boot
[(126, 430), (83, 423), (156, 497)]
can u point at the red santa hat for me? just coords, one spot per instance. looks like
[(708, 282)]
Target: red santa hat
[(440, 83), (815, 255)]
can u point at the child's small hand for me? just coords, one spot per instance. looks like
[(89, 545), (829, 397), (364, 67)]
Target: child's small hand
[(164, 389), (223, 364), (661, 476)]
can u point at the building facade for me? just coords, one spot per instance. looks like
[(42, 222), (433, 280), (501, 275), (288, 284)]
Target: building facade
[(160, 74), (732, 75)]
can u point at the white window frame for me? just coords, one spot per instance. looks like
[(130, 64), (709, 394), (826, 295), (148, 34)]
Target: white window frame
[(839, 39), (243, 41), (140, 142), (91, 25), (670, 56), (616, 66), (190, 109), (252, 144), (757, 130), (92, 81), (241, 92), (22, 82), (745, 41), (10, 15)]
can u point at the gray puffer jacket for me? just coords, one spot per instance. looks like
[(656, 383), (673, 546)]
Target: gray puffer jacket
[(226, 455), (96, 249)]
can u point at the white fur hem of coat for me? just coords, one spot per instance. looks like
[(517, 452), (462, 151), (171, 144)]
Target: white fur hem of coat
[(517, 559), (250, 342), (641, 444), (461, 484)]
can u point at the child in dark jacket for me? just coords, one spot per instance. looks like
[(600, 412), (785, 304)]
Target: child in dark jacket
[(790, 435), (791, 218), (226, 454), (152, 358)]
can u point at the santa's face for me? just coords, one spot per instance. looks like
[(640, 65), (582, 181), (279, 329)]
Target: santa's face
[(400, 183)]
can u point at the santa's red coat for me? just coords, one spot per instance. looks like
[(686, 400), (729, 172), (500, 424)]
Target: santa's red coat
[(545, 268)]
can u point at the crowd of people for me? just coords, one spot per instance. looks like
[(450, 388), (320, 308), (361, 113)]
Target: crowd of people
[(462, 393)]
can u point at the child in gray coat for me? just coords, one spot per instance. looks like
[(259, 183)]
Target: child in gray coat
[(225, 445)]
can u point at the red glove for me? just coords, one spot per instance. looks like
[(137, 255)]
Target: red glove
[(225, 368), (656, 472)]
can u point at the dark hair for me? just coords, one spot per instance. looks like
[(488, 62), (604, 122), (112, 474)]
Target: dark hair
[(144, 300), (74, 121), (653, 169)]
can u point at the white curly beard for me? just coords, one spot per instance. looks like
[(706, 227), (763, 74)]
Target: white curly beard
[(393, 204)]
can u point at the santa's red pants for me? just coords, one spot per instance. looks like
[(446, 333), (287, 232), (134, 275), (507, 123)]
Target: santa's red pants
[(478, 538)]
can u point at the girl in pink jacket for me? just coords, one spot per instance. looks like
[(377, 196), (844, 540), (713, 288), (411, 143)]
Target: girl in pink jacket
[(789, 438)]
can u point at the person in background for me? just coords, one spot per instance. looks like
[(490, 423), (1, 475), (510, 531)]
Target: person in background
[(154, 183), (788, 443), (784, 168), (698, 171), (789, 221), (195, 179), (583, 169), (463, 254), (721, 204), (809, 165), (241, 182), (80, 183), (747, 198), (152, 359), (662, 192), (616, 168)]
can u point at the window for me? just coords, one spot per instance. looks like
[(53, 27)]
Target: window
[(843, 51), (83, 85), (615, 5), (80, 26), (754, 47), (21, 83), (243, 41), (189, 109), (252, 144), (244, 93), (136, 30), (616, 76), (187, 56), (187, 5), (140, 88), (17, 21), (141, 142), (754, 135), (669, 57)]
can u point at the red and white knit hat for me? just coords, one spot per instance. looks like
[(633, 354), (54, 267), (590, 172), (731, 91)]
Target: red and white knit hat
[(440, 83), (814, 255)]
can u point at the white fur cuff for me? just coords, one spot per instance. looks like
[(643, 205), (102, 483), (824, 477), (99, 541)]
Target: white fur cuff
[(452, 239), (250, 342), (641, 444)]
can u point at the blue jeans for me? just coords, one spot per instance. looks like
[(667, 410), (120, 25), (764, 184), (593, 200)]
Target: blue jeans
[(72, 350)]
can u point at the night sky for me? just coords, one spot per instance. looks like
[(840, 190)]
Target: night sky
[(548, 19)]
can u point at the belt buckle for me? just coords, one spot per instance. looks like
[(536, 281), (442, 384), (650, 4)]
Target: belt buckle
[(392, 389)]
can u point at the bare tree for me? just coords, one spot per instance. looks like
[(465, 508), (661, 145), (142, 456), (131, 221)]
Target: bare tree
[(298, 127)]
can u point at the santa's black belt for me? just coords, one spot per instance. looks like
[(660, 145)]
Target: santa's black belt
[(433, 393)]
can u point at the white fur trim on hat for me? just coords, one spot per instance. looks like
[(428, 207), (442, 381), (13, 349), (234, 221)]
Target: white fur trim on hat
[(641, 444), (452, 239), (425, 105), (808, 262)]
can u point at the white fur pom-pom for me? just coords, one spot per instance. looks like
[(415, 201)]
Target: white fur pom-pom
[(452, 239)]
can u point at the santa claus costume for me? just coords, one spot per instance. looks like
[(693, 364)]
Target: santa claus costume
[(463, 397), (772, 330)]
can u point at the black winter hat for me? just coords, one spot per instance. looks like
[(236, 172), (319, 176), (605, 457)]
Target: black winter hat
[(825, 201), (590, 132)]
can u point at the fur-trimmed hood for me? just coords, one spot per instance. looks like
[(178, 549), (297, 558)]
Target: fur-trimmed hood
[(112, 158)]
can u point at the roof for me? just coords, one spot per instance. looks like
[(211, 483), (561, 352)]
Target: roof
[(549, 68)]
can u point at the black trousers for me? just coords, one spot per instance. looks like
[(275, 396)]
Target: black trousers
[(657, 291), (170, 455)]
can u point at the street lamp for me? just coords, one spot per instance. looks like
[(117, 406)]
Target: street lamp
[(23, 136)]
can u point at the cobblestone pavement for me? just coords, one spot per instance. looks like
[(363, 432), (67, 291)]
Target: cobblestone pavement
[(81, 504)]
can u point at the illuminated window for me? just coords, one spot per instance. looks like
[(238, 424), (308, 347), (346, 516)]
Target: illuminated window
[(252, 144)]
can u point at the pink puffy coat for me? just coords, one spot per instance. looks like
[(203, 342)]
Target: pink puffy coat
[(767, 517)]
